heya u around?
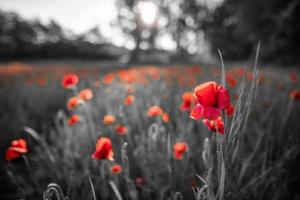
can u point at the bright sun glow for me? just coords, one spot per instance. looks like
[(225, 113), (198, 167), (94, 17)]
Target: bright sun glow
[(148, 12)]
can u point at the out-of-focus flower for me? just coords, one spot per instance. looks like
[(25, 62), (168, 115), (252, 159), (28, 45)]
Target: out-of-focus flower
[(108, 78), (109, 119), (116, 169), (139, 181), (231, 81), (179, 149), (17, 148), (294, 95), (128, 100), (73, 102), (69, 81), (73, 120), (215, 125), (103, 149), (86, 94), (121, 129), (293, 77), (187, 100), (166, 118), (155, 111), (211, 98), (230, 110)]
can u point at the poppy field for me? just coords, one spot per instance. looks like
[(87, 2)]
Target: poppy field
[(149, 132)]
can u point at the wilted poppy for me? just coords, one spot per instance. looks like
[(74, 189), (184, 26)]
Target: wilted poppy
[(230, 110), (215, 125), (121, 129), (155, 111), (166, 118), (128, 100), (17, 148), (86, 94), (103, 149), (73, 102), (116, 169), (179, 149), (211, 98), (109, 119), (69, 81), (187, 100), (73, 120), (294, 95)]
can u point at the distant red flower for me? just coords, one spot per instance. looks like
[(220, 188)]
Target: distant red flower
[(69, 81), (121, 129), (73, 120), (17, 148), (211, 98), (293, 77), (166, 118), (73, 102), (231, 81), (128, 100), (215, 125), (294, 95), (109, 119), (179, 149), (116, 169), (139, 181), (86, 94), (108, 78), (230, 110), (103, 149), (187, 100), (155, 111)]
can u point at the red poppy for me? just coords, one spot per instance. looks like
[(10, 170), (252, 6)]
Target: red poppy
[(179, 149), (188, 99), (108, 79), (103, 149), (17, 148), (166, 118), (86, 94), (230, 110), (294, 95), (69, 81), (73, 120), (293, 77), (128, 100), (109, 119), (231, 81), (211, 98), (215, 125), (121, 129), (73, 102), (116, 169), (155, 111)]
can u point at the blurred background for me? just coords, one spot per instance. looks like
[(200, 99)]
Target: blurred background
[(149, 31)]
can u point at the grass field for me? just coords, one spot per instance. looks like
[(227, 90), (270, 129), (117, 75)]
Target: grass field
[(255, 158)]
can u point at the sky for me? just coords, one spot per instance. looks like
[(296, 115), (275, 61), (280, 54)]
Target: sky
[(76, 15)]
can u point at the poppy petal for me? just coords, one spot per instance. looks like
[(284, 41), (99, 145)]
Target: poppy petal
[(223, 98), (211, 113), (197, 112)]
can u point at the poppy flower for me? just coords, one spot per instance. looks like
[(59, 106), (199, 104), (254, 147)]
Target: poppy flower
[(128, 100), (108, 79), (215, 125), (73, 120), (230, 110), (109, 119), (293, 77), (211, 98), (231, 81), (139, 181), (166, 118), (121, 129), (155, 111), (73, 102), (179, 149), (17, 148), (69, 81), (116, 169), (188, 99), (103, 149), (294, 95), (86, 94)]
